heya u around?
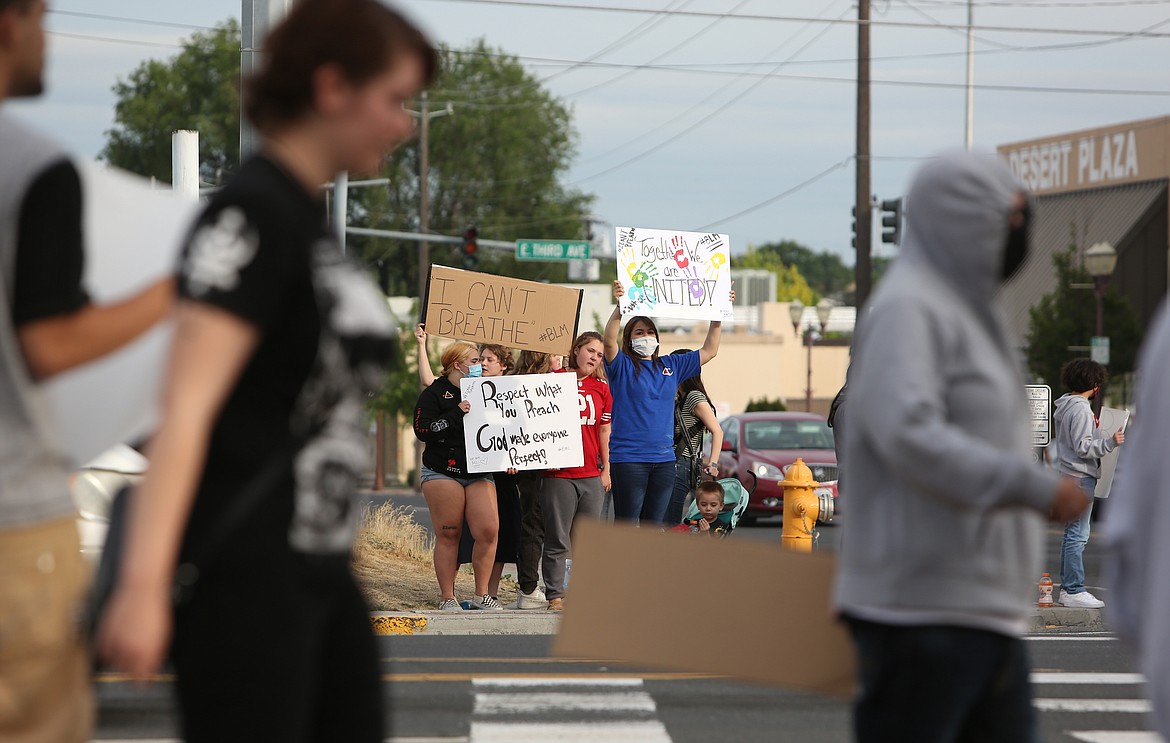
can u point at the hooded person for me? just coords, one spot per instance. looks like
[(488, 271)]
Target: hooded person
[(944, 539), (1139, 520)]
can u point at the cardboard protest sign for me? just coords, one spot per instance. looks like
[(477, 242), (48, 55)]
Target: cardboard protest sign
[(483, 308), (672, 274), (1111, 420), (133, 234), (529, 422), (786, 636)]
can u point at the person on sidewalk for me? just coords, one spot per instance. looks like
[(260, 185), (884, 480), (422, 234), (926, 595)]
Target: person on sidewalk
[(528, 483), (48, 325), (1079, 448), (694, 415), (942, 547), (573, 493), (280, 342), (1136, 544)]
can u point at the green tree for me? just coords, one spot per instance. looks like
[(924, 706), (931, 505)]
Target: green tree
[(495, 164), (825, 272), (790, 283), (1067, 317), (764, 404), (196, 89)]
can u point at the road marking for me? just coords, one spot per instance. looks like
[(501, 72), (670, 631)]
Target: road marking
[(1072, 638), (531, 702), (1116, 736), (1088, 678), (1134, 706), (557, 681), (525, 661), (647, 731), (439, 677)]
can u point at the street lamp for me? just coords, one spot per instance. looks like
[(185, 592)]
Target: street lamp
[(795, 313), (1100, 260)]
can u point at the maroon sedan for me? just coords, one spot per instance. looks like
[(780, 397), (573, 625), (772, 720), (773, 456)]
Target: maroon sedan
[(764, 444)]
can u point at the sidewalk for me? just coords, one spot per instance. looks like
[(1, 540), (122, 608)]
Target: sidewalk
[(1056, 619)]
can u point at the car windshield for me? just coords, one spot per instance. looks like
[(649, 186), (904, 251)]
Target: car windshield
[(787, 434)]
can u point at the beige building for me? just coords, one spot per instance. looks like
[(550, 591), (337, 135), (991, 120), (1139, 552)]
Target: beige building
[(760, 356)]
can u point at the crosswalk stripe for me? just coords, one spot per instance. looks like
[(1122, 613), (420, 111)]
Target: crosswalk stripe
[(648, 731), (534, 681), (1042, 677), (1116, 736), (528, 702), (1093, 705)]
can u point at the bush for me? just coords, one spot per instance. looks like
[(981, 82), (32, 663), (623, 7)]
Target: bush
[(764, 404)]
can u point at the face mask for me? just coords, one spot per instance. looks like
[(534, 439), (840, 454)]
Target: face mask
[(475, 370), (1015, 250), (645, 346)]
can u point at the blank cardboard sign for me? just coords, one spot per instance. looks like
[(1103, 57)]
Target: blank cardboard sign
[(691, 603), (484, 308)]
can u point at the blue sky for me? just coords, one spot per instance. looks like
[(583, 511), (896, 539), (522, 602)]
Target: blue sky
[(748, 140)]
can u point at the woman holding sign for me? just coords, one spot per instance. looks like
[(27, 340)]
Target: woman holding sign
[(644, 386), (452, 493)]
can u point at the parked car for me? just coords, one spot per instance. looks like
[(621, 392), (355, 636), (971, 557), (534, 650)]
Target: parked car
[(93, 488), (764, 444)]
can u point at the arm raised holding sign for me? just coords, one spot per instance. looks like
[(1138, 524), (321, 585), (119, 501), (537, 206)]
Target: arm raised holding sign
[(714, 335)]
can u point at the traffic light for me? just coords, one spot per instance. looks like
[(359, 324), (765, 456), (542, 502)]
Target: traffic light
[(470, 247), (892, 221), (853, 227)]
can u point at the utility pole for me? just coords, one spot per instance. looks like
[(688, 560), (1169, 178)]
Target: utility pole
[(257, 17), (970, 128), (863, 269), (424, 197)]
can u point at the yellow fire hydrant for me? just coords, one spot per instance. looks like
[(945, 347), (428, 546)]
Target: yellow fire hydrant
[(801, 507)]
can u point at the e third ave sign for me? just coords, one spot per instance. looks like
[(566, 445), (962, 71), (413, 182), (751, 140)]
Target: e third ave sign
[(552, 250)]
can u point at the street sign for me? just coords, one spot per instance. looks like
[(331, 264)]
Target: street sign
[(1040, 413), (552, 250), (1099, 349)]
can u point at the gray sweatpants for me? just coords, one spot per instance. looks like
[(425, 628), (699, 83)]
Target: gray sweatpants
[(562, 502)]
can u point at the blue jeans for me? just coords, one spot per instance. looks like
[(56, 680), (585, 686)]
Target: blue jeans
[(940, 684), (641, 490), (684, 483), (1072, 549)]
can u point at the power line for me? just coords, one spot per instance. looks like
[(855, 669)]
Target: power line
[(829, 21), (773, 199), (112, 40), (126, 19)]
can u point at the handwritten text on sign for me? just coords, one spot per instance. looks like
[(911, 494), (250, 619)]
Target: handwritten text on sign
[(529, 422), (683, 275), (483, 308)]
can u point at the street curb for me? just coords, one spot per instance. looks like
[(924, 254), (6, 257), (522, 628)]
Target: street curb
[(1059, 618), (471, 622)]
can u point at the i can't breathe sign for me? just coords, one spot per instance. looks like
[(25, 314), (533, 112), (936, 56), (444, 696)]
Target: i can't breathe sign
[(526, 422)]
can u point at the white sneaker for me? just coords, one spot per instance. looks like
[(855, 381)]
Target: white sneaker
[(1082, 600), (534, 600)]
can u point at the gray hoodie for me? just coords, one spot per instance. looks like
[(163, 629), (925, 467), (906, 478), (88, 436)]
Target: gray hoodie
[(1138, 524), (944, 502), (1080, 443)]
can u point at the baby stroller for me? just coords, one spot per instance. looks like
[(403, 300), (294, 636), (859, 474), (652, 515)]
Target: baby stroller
[(735, 503)]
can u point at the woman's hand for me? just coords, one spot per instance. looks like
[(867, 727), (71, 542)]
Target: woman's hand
[(511, 471), (619, 291), (420, 333), (711, 469), (606, 480), (465, 406)]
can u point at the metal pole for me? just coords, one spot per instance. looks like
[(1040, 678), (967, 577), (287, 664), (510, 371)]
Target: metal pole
[(257, 17), (970, 128), (424, 200), (1099, 291), (380, 445), (340, 207), (808, 371), (185, 164), (863, 268)]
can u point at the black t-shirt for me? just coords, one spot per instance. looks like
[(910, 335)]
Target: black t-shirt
[(262, 250), (49, 254), (438, 422)]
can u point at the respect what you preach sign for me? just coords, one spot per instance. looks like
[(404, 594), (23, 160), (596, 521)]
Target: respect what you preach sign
[(526, 422)]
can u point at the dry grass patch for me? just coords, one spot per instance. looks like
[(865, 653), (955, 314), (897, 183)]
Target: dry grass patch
[(393, 565)]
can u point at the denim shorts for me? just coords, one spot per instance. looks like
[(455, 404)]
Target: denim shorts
[(429, 474)]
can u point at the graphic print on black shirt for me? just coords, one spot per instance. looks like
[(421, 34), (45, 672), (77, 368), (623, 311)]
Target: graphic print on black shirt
[(438, 422), (263, 252)]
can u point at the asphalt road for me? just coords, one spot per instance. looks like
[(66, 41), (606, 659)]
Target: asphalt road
[(480, 689)]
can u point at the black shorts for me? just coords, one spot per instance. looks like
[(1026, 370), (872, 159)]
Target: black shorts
[(279, 652)]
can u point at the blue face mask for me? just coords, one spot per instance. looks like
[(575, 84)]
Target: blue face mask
[(475, 370)]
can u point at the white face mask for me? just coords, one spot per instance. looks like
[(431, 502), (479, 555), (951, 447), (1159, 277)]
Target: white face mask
[(645, 346)]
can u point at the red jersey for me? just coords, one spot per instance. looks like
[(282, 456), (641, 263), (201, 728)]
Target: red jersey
[(596, 405)]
